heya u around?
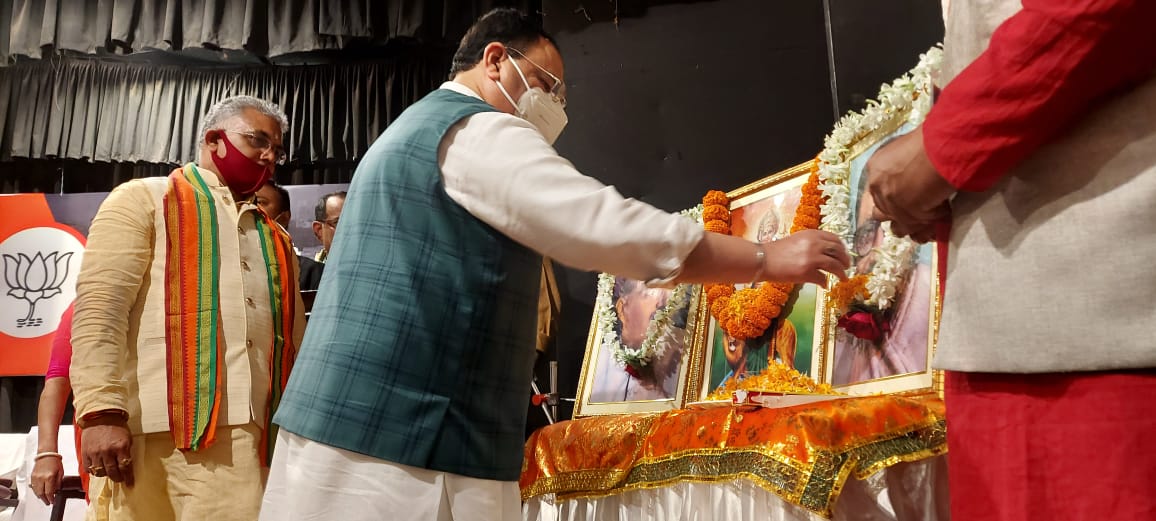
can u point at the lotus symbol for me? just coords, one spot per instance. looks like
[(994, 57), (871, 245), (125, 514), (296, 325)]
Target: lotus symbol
[(35, 279)]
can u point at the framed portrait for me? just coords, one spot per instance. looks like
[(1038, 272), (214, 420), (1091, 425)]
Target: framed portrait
[(641, 344), (881, 337), (764, 211)]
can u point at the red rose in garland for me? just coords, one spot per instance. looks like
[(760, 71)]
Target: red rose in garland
[(865, 325)]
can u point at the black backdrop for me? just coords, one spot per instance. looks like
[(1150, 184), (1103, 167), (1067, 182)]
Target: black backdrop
[(670, 99)]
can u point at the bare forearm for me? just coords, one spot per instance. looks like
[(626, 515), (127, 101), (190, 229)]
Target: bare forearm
[(803, 257), (50, 412)]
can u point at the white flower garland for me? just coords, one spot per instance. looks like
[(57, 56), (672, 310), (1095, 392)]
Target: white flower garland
[(909, 93), (893, 262), (652, 348)]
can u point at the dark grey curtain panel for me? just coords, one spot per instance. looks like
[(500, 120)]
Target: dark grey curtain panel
[(267, 27), (270, 28), (110, 111)]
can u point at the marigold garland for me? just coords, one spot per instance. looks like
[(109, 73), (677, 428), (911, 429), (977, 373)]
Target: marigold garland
[(747, 313), (846, 292), (777, 378), (716, 197), (718, 227), (716, 212), (809, 214)]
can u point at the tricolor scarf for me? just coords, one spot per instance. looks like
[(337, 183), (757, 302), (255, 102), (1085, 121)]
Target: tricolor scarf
[(194, 338)]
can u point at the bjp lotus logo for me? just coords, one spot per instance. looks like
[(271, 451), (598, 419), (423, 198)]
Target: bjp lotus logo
[(35, 278), (39, 282)]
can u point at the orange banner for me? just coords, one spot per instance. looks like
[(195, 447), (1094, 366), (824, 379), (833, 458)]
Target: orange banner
[(40, 259)]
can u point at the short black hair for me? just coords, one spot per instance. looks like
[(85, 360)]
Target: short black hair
[(285, 206), (282, 192), (505, 25), (319, 211)]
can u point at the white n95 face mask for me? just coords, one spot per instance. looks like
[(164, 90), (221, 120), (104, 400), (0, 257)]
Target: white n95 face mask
[(538, 107)]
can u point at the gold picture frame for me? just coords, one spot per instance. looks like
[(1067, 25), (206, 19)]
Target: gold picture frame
[(897, 364), (896, 355), (666, 382), (764, 210), (901, 107)]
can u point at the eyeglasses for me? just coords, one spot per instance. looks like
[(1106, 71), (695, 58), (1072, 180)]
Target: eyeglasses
[(332, 222), (260, 141), (558, 90), (865, 237)]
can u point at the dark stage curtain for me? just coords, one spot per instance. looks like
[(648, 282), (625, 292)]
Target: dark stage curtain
[(268, 28), (82, 108), (107, 111)]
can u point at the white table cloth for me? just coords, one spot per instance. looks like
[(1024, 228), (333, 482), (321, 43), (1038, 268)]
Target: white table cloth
[(31, 508), (903, 492)]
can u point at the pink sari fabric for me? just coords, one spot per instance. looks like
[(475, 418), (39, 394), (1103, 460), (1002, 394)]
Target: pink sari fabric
[(61, 355)]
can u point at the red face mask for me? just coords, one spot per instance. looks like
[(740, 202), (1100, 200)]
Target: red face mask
[(239, 172)]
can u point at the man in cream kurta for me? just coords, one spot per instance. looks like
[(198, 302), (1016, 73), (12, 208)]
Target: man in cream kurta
[(119, 366)]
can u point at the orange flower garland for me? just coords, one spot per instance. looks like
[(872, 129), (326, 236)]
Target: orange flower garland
[(847, 291), (777, 378), (808, 216), (747, 313)]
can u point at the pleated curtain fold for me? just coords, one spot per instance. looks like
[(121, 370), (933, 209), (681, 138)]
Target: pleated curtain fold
[(107, 111), (264, 27)]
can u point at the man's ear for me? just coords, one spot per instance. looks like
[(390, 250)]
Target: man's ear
[(317, 229), (211, 139), (492, 58)]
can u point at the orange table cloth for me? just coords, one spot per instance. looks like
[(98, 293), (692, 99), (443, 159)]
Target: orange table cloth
[(804, 454)]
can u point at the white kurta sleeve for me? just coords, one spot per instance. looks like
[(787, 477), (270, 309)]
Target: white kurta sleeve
[(501, 170)]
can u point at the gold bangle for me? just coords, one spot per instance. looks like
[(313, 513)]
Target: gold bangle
[(761, 255)]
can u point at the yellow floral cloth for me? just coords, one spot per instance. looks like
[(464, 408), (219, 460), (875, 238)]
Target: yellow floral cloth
[(803, 453)]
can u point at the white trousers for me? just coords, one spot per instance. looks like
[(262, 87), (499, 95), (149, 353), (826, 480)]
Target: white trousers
[(311, 481)]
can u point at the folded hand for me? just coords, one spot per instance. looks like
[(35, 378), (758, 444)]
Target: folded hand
[(906, 188)]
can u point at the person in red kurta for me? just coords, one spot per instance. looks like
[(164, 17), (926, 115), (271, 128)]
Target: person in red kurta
[(1041, 154)]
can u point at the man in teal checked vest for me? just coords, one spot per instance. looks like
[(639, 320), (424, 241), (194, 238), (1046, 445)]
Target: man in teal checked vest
[(408, 398)]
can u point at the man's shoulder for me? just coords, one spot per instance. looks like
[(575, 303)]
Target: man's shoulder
[(144, 183), (444, 105), (142, 194), (151, 187), (447, 95)]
